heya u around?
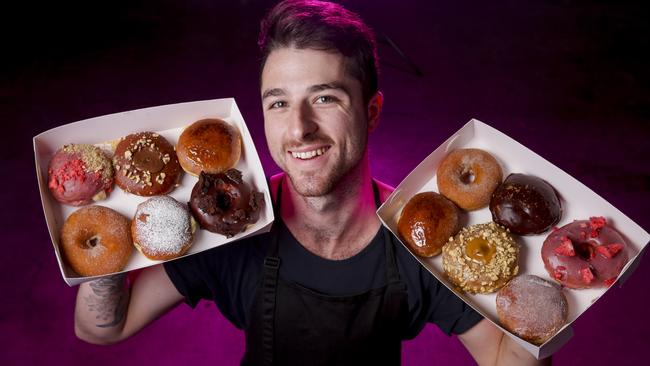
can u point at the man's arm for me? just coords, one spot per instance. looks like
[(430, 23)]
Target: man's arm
[(489, 346), (108, 311)]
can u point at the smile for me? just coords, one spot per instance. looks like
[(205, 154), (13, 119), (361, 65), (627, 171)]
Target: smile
[(304, 155)]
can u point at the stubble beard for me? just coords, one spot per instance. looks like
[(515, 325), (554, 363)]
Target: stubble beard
[(321, 183)]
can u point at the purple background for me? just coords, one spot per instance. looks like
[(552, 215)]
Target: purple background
[(568, 79)]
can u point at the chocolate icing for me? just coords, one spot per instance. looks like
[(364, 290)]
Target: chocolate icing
[(223, 203), (525, 204)]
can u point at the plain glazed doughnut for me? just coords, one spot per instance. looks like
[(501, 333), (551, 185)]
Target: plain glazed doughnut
[(162, 228), (96, 240), (79, 174), (525, 205), (427, 221), (585, 254), (468, 177), (532, 308), (225, 204), (209, 145), (146, 164), (481, 258)]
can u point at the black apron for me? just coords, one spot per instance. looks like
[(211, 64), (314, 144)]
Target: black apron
[(293, 325)]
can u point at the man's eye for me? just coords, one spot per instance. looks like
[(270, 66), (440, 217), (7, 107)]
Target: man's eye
[(278, 104), (325, 99)]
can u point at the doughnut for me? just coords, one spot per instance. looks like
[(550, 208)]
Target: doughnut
[(209, 145), (468, 177), (223, 203), (480, 258), (585, 254), (146, 164), (162, 228), (95, 240), (525, 205), (532, 308), (79, 174), (427, 220)]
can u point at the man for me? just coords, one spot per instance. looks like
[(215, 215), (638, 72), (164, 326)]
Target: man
[(328, 284)]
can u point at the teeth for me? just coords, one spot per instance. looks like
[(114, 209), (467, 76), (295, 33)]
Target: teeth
[(309, 154)]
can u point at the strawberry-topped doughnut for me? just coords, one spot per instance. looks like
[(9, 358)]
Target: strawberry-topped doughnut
[(585, 254)]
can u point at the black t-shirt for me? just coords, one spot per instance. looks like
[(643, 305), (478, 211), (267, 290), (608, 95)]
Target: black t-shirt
[(230, 274)]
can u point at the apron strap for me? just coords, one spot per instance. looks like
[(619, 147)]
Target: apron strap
[(270, 284)]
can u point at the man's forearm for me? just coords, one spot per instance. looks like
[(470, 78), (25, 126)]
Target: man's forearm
[(101, 309), (510, 353)]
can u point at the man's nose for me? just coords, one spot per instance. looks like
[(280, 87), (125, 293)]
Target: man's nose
[(302, 122)]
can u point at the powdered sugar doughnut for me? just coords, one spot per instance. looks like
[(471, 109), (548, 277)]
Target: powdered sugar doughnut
[(532, 308), (162, 228)]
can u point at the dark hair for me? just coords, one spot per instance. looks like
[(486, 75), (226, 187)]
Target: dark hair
[(323, 26)]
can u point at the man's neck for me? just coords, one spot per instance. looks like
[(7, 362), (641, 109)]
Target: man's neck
[(337, 225)]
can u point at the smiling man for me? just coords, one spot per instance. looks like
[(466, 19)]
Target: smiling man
[(328, 285)]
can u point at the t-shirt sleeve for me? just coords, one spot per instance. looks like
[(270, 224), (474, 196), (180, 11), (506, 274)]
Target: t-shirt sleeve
[(188, 275), (450, 313)]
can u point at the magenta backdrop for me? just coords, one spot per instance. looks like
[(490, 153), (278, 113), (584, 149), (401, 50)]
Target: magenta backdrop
[(565, 78)]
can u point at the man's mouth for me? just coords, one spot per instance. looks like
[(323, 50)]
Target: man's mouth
[(305, 155)]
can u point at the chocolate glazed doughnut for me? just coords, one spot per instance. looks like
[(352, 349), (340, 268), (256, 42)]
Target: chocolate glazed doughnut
[(223, 203), (525, 204)]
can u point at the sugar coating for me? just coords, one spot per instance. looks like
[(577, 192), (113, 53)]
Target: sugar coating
[(111, 234), (162, 225), (532, 307)]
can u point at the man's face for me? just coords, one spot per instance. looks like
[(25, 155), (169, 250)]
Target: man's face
[(314, 117)]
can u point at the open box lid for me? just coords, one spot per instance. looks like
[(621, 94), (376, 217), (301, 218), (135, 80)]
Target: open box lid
[(578, 201), (168, 121)]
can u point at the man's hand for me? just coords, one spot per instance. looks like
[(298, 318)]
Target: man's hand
[(489, 346)]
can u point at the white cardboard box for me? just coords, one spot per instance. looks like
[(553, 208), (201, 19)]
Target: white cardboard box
[(168, 121), (578, 202)]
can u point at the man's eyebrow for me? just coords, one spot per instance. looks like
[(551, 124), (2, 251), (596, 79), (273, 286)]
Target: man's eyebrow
[(328, 86), (275, 92)]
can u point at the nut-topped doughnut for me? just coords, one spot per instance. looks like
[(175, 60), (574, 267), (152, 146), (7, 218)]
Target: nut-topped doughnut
[(468, 177), (146, 164), (481, 258), (585, 254), (532, 308), (79, 174), (162, 228), (427, 221)]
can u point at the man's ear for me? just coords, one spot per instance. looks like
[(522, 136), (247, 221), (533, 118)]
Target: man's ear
[(374, 110)]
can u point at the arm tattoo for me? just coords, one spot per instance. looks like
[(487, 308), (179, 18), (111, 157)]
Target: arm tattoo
[(109, 300)]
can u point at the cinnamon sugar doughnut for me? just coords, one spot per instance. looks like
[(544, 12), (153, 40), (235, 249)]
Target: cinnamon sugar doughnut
[(162, 228), (532, 308), (468, 177), (95, 240)]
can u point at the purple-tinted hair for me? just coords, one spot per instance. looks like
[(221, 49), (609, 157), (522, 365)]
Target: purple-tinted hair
[(325, 26)]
